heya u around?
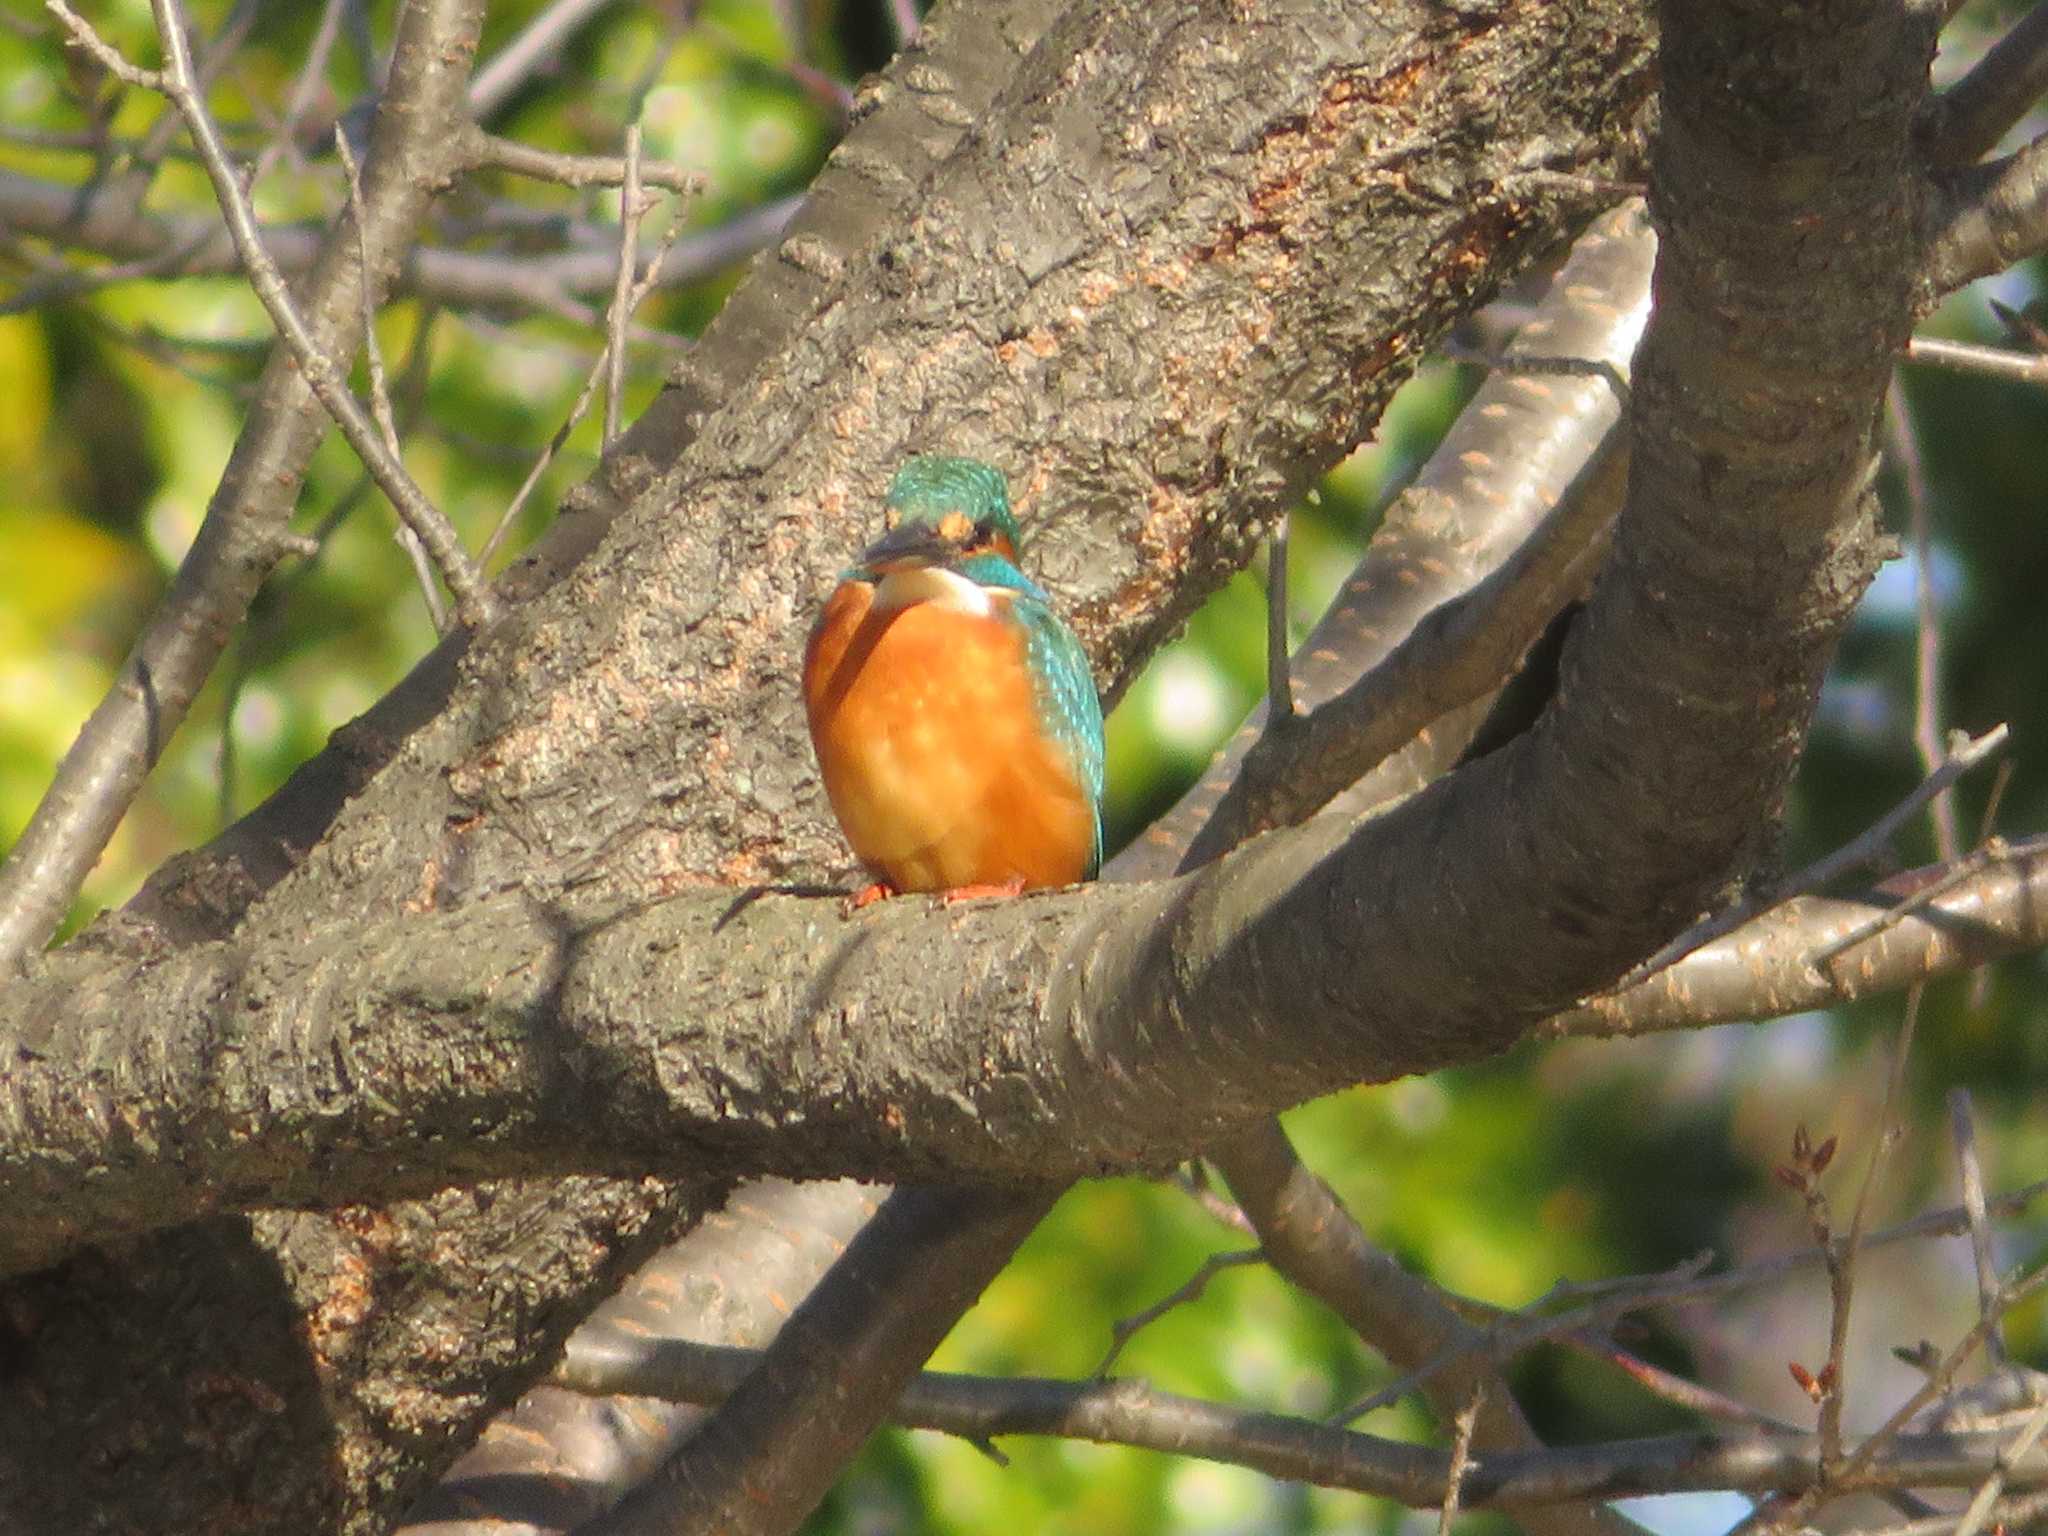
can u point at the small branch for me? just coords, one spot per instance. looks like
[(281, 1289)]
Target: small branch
[(600, 370), (1457, 653), (622, 290), (1461, 1461), (1686, 1286), (778, 1440), (1672, 1388), (1963, 1131), (1841, 1260), (1279, 684), (1519, 1331), (2021, 327), (1998, 215), (1873, 844), (380, 393), (1986, 362), (1124, 1329), (2022, 1445), (904, 22), (1904, 443), (247, 525), (300, 102), (487, 151), (111, 59), (1972, 115), (536, 47), (2013, 1514), (1520, 453), (2009, 1295), (1193, 1182), (1988, 852)]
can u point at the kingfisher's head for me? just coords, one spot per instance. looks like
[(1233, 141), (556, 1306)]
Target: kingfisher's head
[(945, 511)]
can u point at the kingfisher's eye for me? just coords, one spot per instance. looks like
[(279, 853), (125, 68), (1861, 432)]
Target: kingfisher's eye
[(989, 534)]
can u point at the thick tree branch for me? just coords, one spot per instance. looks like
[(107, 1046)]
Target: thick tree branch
[(560, 1458), (751, 1468), (1071, 1044)]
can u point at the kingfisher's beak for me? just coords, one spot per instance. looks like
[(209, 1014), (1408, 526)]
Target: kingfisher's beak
[(908, 544)]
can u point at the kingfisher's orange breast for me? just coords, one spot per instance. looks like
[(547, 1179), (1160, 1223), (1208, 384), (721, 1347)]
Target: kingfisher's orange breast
[(926, 724)]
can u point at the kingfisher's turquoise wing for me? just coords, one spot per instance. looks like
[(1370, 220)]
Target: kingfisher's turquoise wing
[(1068, 705), (1067, 702)]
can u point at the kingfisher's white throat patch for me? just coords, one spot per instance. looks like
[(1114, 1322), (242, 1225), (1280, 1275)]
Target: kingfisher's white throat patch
[(911, 585)]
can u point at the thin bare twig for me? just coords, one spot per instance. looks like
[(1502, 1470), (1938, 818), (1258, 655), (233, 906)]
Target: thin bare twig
[(300, 102), (2013, 1514), (1874, 843), (1990, 851), (2011, 1293), (1963, 1131), (1994, 908), (630, 210), (1279, 683), (380, 391), (1970, 357), (1312, 1241), (473, 601), (904, 21), (1193, 1182), (1671, 1387), (1461, 1461), (1124, 1329), (501, 76), (1904, 443), (552, 282), (2022, 327), (599, 371), (1684, 1285), (1518, 1331), (1841, 1258), (1994, 1485), (486, 150), (1987, 843)]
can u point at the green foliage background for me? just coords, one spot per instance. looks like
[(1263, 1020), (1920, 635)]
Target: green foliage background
[(1573, 1162)]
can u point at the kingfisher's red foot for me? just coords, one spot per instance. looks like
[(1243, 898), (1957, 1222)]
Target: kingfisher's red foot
[(868, 895), (958, 893)]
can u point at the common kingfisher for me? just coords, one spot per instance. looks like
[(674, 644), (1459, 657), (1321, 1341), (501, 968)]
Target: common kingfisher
[(953, 714)]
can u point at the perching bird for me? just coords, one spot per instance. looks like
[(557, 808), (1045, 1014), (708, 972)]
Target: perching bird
[(953, 713)]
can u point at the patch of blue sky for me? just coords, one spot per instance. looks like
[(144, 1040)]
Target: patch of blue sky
[(1686, 1514)]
